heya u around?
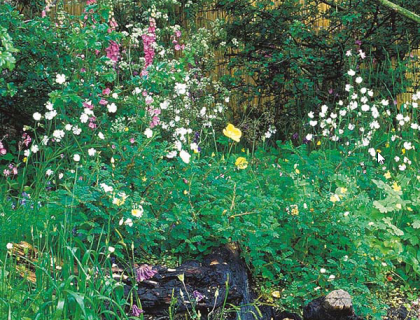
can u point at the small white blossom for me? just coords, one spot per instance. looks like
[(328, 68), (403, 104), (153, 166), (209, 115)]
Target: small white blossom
[(60, 79), (37, 116), (76, 157)]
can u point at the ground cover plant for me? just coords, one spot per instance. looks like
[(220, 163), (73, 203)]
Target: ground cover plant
[(131, 153)]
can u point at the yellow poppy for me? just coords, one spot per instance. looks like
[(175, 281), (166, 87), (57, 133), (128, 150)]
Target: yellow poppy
[(396, 187), (232, 132), (241, 163)]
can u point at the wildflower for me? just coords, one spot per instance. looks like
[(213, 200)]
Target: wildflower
[(396, 187), (76, 157), (49, 172), (137, 211), (309, 137), (37, 116), (334, 198), (128, 222), (111, 249), (144, 272), (359, 80), (295, 210), (351, 72), (198, 296), (92, 152), (60, 78), (387, 175), (136, 311), (50, 115), (121, 200), (106, 187), (276, 294), (34, 148), (241, 163), (180, 88), (112, 108), (232, 132), (101, 136), (9, 246), (323, 270), (185, 156), (148, 133), (311, 114), (331, 277)]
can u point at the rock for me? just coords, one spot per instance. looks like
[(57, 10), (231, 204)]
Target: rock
[(287, 316), (338, 300), (336, 305)]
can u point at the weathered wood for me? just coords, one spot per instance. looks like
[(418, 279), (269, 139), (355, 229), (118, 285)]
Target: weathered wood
[(335, 306)]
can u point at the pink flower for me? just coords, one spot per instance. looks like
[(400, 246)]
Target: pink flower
[(43, 14), (3, 151), (106, 91), (15, 171), (88, 105), (97, 51), (132, 140), (177, 47), (144, 272), (113, 51), (6, 172), (89, 2), (155, 122), (136, 311), (103, 102), (178, 33)]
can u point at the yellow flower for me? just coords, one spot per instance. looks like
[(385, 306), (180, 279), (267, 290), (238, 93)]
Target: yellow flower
[(25, 159), (343, 190), (387, 175), (126, 129), (387, 145), (137, 211), (334, 198), (378, 150), (409, 209), (398, 205), (243, 149), (318, 143), (396, 187), (276, 294), (403, 151), (295, 210), (241, 163), (232, 132), (120, 201), (297, 171)]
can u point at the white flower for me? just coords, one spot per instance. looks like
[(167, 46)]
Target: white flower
[(49, 172), (397, 158), (351, 72), (92, 152), (45, 140), (115, 95), (58, 135), (171, 154), (9, 246), (348, 87), (148, 133), (309, 137), (76, 130), (27, 152), (128, 222), (34, 148), (346, 213), (137, 211), (60, 175), (84, 118), (185, 156), (106, 187), (311, 114), (331, 277), (343, 112), (112, 108), (49, 106), (408, 145), (50, 115), (385, 102), (363, 90), (180, 88), (37, 116), (101, 136), (324, 108), (414, 126), (365, 107), (415, 105), (164, 105), (402, 167), (333, 115), (76, 157), (372, 152), (68, 126), (60, 79), (111, 249), (359, 80), (313, 123), (323, 270)]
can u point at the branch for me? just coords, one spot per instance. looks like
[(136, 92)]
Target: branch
[(400, 10)]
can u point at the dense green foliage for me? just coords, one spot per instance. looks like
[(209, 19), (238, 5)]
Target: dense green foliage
[(127, 154)]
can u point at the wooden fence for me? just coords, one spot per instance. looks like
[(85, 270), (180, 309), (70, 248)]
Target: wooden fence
[(203, 19)]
